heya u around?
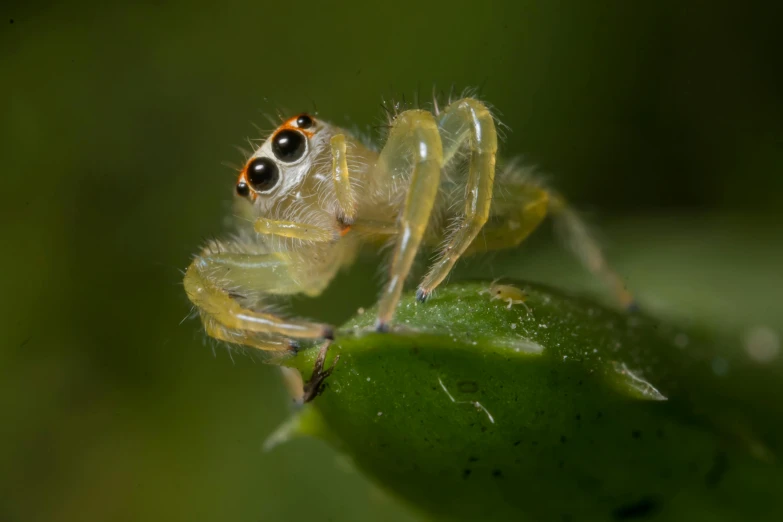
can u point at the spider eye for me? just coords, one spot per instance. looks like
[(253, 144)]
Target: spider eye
[(242, 189), (304, 121), (263, 174), (289, 145)]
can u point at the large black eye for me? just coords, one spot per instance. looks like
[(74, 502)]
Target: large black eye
[(304, 121), (289, 145), (263, 174)]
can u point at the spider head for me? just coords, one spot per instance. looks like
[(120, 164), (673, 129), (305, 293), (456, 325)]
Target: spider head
[(281, 166)]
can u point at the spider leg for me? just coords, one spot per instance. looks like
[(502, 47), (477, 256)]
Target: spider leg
[(265, 343), (368, 227), (294, 230), (414, 146), (581, 242), (516, 221), (213, 283), (466, 121)]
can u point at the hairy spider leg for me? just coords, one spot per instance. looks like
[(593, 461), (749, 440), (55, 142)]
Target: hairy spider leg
[(470, 122), (581, 242), (512, 224), (413, 144), (294, 230), (209, 281)]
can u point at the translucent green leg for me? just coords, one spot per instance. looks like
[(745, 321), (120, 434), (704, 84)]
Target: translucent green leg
[(470, 121), (210, 281), (582, 243), (523, 209), (294, 230), (371, 228), (413, 140)]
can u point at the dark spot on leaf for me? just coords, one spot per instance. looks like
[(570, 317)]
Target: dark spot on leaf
[(599, 415), (636, 510), (578, 417), (561, 464), (473, 459), (466, 473), (467, 386), (659, 432), (563, 439), (516, 443), (497, 473), (636, 434)]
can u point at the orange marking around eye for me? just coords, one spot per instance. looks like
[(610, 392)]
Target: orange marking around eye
[(345, 230), (243, 179), (290, 123)]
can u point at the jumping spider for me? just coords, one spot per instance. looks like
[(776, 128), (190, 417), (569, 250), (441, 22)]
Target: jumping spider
[(312, 194)]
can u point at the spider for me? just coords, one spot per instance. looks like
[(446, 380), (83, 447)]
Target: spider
[(313, 193)]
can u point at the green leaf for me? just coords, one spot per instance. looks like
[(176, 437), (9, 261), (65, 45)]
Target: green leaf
[(474, 411)]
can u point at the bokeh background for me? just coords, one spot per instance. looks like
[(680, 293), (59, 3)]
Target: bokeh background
[(663, 120)]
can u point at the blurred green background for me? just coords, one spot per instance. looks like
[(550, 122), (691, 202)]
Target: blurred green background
[(664, 120)]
